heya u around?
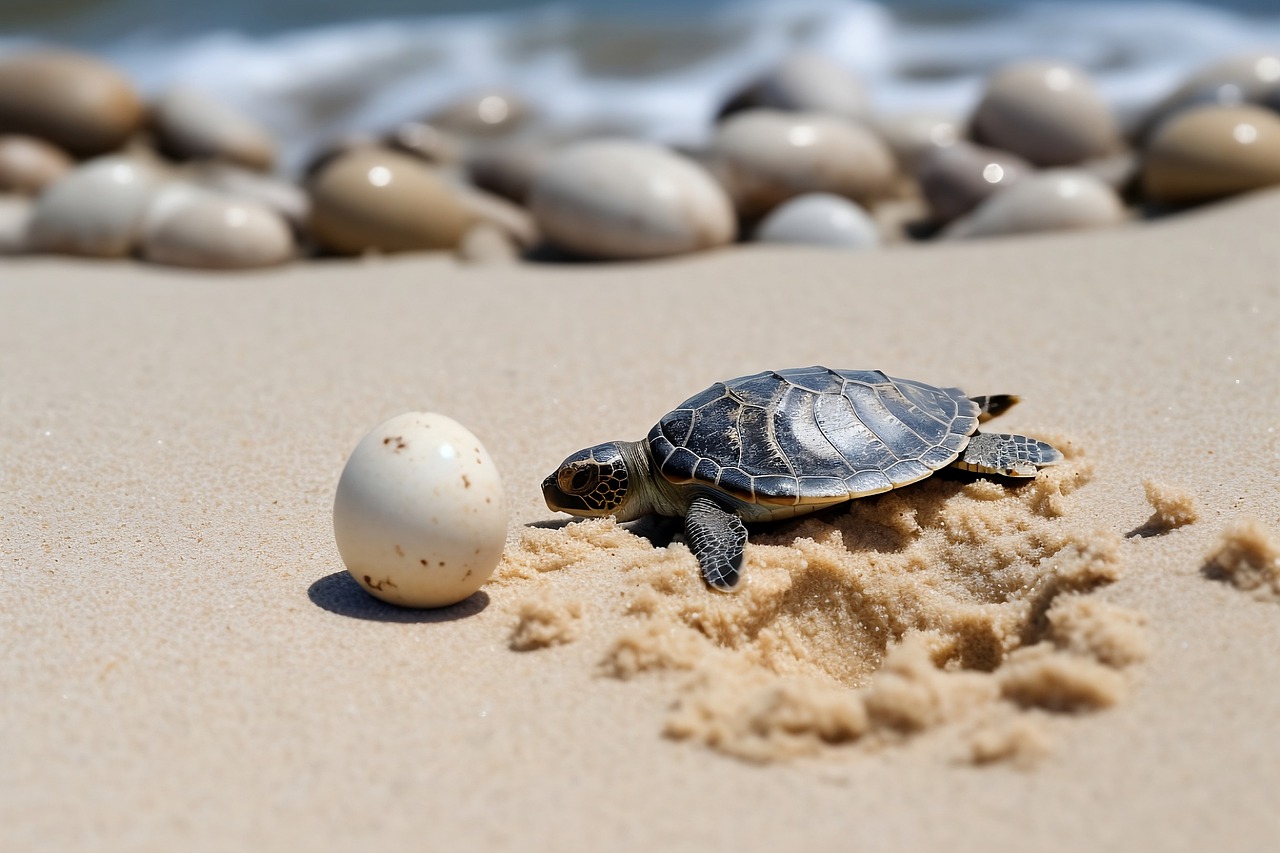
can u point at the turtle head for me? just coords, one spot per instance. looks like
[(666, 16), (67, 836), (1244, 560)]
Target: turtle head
[(592, 482)]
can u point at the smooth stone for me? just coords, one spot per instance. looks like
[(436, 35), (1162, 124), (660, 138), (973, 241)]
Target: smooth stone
[(489, 113), (820, 219), (1119, 171), (28, 164), (15, 214), (911, 136), (1251, 78), (804, 82), (956, 179), (76, 102), (286, 198), (1047, 112), (629, 199), (902, 220), (766, 157), (371, 199), (190, 226), (423, 140), (191, 125), (1053, 200), (486, 243), (1209, 152), (95, 210)]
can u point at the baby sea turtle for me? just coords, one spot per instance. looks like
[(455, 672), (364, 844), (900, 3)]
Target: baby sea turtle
[(782, 443)]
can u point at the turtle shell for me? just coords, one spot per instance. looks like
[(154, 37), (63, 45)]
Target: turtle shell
[(812, 435)]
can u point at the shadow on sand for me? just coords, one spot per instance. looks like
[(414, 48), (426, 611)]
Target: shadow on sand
[(339, 593)]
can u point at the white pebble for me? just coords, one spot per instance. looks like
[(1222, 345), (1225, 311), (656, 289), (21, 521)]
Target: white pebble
[(820, 219), (419, 517)]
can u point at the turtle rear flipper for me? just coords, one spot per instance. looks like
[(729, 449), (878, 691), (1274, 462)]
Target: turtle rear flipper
[(716, 538), (1007, 455)]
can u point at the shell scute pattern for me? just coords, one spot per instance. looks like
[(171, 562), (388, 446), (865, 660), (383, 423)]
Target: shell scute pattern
[(812, 435)]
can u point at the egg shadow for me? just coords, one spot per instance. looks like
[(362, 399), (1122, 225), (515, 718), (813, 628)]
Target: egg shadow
[(339, 593)]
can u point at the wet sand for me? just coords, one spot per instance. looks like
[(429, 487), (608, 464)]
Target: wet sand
[(190, 665)]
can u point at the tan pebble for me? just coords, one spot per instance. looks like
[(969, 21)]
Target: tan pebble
[(191, 125), (382, 200), (1047, 112), (912, 136), (426, 141), (1054, 200), (959, 177), (767, 157), (493, 113), (1118, 171), (486, 243), (287, 199), (192, 227), (805, 82), (1250, 78), (15, 213), (629, 199), (1212, 151), (516, 222), (95, 210), (28, 165), (76, 102)]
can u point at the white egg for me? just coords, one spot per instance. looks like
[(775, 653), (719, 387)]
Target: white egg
[(419, 516)]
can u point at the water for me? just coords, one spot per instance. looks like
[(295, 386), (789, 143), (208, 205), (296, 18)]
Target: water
[(312, 69)]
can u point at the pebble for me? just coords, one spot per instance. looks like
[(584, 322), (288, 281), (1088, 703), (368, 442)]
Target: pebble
[(957, 178), (427, 141), (514, 221), (190, 226), (1053, 200), (419, 516), (489, 113), (508, 169), (96, 210), (191, 125), (1050, 113), (1212, 151), (373, 199), (805, 82), (820, 219), (76, 102), (15, 213), (767, 157), (486, 243), (1248, 79), (912, 136), (28, 164), (629, 199)]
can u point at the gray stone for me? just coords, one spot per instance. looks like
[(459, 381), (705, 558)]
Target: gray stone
[(1053, 200), (820, 219)]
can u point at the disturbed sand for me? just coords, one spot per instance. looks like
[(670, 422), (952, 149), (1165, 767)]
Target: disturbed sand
[(1083, 662)]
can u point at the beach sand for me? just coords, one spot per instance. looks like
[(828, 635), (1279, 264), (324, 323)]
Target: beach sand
[(190, 667)]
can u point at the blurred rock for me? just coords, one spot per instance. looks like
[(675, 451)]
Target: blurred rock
[(514, 221), (426, 141), (956, 179), (1247, 79), (804, 82), (28, 165), (766, 157), (627, 199), (912, 136), (95, 210), (1208, 152), (76, 102), (1049, 113), (508, 168), (371, 199), (190, 226), (191, 125), (482, 114), (1053, 200), (285, 198), (820, 219), (486, 243), (15, 213)]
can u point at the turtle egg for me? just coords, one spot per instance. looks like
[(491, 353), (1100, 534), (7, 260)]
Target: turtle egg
[(419, 516)]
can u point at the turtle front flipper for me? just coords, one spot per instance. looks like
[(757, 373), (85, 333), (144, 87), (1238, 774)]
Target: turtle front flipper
[(716, 538), (1007, 455)]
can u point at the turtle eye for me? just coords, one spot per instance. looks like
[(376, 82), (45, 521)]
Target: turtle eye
[(578, 480)]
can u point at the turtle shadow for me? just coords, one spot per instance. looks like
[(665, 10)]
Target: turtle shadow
[(339, 593)]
